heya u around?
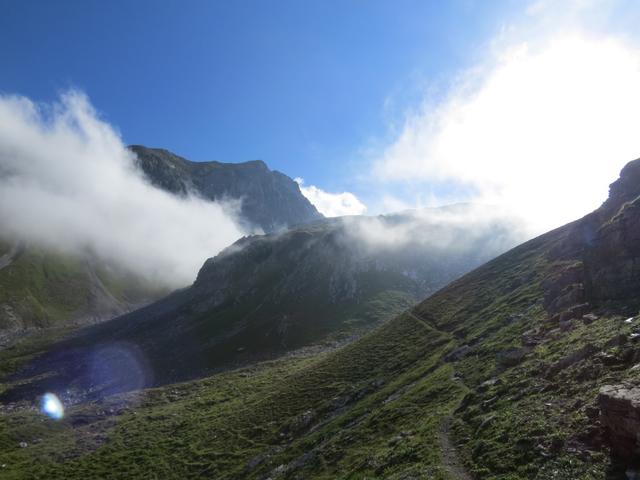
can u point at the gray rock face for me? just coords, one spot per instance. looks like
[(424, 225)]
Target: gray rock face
[(623, 190), (612, 257), (620, 416), (613, 262), (270, 199), (604, 248)]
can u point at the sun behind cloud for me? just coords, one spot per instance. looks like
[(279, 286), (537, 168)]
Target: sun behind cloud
[(536, 128)]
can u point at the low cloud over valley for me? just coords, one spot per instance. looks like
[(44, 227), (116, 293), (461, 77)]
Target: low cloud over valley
[(68, 182)]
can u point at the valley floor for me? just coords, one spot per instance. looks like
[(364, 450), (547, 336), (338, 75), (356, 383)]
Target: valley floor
[(354, 413), (297, 417)]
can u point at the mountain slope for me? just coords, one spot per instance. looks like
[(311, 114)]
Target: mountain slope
[(501, 374), (44, 288), (270, 199), (313, 285)]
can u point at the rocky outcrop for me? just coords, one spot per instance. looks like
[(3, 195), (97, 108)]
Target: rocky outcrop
[(613, 262), (612, 254), (620, 417), (625, 189), (599, 259), (569, 360), (269, 199)]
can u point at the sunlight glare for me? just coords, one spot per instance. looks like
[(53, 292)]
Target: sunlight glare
[(52, 406)]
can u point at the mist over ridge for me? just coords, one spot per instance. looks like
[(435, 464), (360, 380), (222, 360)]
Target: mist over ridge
[(69, 183)]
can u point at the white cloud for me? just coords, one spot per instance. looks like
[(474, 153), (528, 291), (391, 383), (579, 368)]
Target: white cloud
[(454, 228), (332, 204), (542, 127), (68, 182)]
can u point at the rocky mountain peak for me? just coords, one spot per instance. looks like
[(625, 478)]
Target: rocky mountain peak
[(270, 200), (625, 189)]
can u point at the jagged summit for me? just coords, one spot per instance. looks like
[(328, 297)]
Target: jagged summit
[(162, 154), (270, 199)]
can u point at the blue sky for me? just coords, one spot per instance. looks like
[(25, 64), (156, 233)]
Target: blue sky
[(303, 85), (403, 103)]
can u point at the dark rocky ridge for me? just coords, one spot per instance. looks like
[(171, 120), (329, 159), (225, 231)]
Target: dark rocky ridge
[(270, 199)]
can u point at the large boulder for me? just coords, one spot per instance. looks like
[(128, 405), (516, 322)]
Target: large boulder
[(620, 417)]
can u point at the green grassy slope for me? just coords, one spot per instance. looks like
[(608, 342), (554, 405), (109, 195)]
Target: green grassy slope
[(43, 288), (216, 426)]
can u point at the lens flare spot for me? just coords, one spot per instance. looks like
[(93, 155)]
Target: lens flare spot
[(51, 406)]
